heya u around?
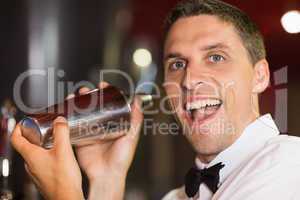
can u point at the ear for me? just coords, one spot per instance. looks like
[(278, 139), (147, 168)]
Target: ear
[(261, 76)]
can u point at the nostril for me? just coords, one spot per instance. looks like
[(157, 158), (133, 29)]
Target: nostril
[(200, 83), (192, 84), (185, 89)]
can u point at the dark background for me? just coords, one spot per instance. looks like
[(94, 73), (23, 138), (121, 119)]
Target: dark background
[(92, 35)]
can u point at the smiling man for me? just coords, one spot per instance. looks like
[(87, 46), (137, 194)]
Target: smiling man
[(215, 68)]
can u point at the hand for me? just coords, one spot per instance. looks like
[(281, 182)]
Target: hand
[(106, 163), (55, 172)]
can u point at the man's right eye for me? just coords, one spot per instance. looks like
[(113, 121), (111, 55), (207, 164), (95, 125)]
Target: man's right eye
[(179, 64)]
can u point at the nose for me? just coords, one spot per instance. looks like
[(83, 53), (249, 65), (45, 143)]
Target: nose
[(191, 80)]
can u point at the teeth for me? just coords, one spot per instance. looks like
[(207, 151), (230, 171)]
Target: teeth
[(201, 104)]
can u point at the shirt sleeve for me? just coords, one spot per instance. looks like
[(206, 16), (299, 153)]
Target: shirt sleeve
[(277, 183)]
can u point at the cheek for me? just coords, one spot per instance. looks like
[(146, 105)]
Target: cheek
[(238, 97), (236, 88), (172, 86), (244, 85), (174, 94), (174, 76), (239, 76)]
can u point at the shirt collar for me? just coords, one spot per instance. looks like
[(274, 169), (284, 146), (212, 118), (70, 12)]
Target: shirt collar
[(258, 132)]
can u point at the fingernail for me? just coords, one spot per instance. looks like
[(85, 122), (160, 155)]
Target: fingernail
[(60, 119), (103, 84), (70, 96)]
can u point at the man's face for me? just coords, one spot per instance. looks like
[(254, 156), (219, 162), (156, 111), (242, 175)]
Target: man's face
[(209, 81)]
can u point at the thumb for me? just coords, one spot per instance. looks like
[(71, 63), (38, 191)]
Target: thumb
[(61, 134), (130, 140), (136, 121)]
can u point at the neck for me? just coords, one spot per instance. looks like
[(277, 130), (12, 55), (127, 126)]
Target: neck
[(206, 159)]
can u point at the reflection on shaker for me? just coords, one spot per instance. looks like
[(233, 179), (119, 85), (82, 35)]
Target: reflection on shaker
[(103, 114)]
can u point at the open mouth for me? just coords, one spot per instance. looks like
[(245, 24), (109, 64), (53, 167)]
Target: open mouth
[(202, 109)]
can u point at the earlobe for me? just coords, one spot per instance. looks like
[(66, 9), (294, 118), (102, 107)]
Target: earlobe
[(261, 76)]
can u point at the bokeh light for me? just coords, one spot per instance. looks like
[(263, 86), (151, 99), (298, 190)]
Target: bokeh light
[(291, 21), (142, 57)]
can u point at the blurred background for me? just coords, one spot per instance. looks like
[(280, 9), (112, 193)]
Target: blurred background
[(70, 41)]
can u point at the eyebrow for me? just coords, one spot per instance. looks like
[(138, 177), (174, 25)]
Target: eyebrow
[(172, 55), (205, 48), (214, 46)]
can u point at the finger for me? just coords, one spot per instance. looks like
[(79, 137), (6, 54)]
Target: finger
[(22, 145), (70, 96), (80, 91), (83, 90), (61, 134), (130, 140), (136, 121), (103, 84), (137, 114)]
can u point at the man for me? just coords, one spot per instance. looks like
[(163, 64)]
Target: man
[(215, 68)]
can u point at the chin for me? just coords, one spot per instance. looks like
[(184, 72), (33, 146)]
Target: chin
[(209, 133), (207, 145), (209, 142)]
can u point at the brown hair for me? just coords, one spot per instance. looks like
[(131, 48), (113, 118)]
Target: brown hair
[(245, 27)]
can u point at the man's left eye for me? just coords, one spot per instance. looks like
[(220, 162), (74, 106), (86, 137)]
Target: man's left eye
[(216, 58)]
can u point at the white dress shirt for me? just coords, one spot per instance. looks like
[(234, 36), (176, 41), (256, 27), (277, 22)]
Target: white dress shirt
[(259, 165)]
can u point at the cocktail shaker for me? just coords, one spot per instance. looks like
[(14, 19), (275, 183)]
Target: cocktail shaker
[(98, 115)]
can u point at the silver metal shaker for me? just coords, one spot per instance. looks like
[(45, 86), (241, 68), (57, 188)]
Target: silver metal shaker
[(98, 115)]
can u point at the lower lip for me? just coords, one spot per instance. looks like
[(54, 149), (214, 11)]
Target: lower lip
[(195, 122)]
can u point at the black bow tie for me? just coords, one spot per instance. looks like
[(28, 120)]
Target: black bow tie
[(209, 176)]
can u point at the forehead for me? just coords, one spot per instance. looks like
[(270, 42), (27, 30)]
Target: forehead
[(202, 30)]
